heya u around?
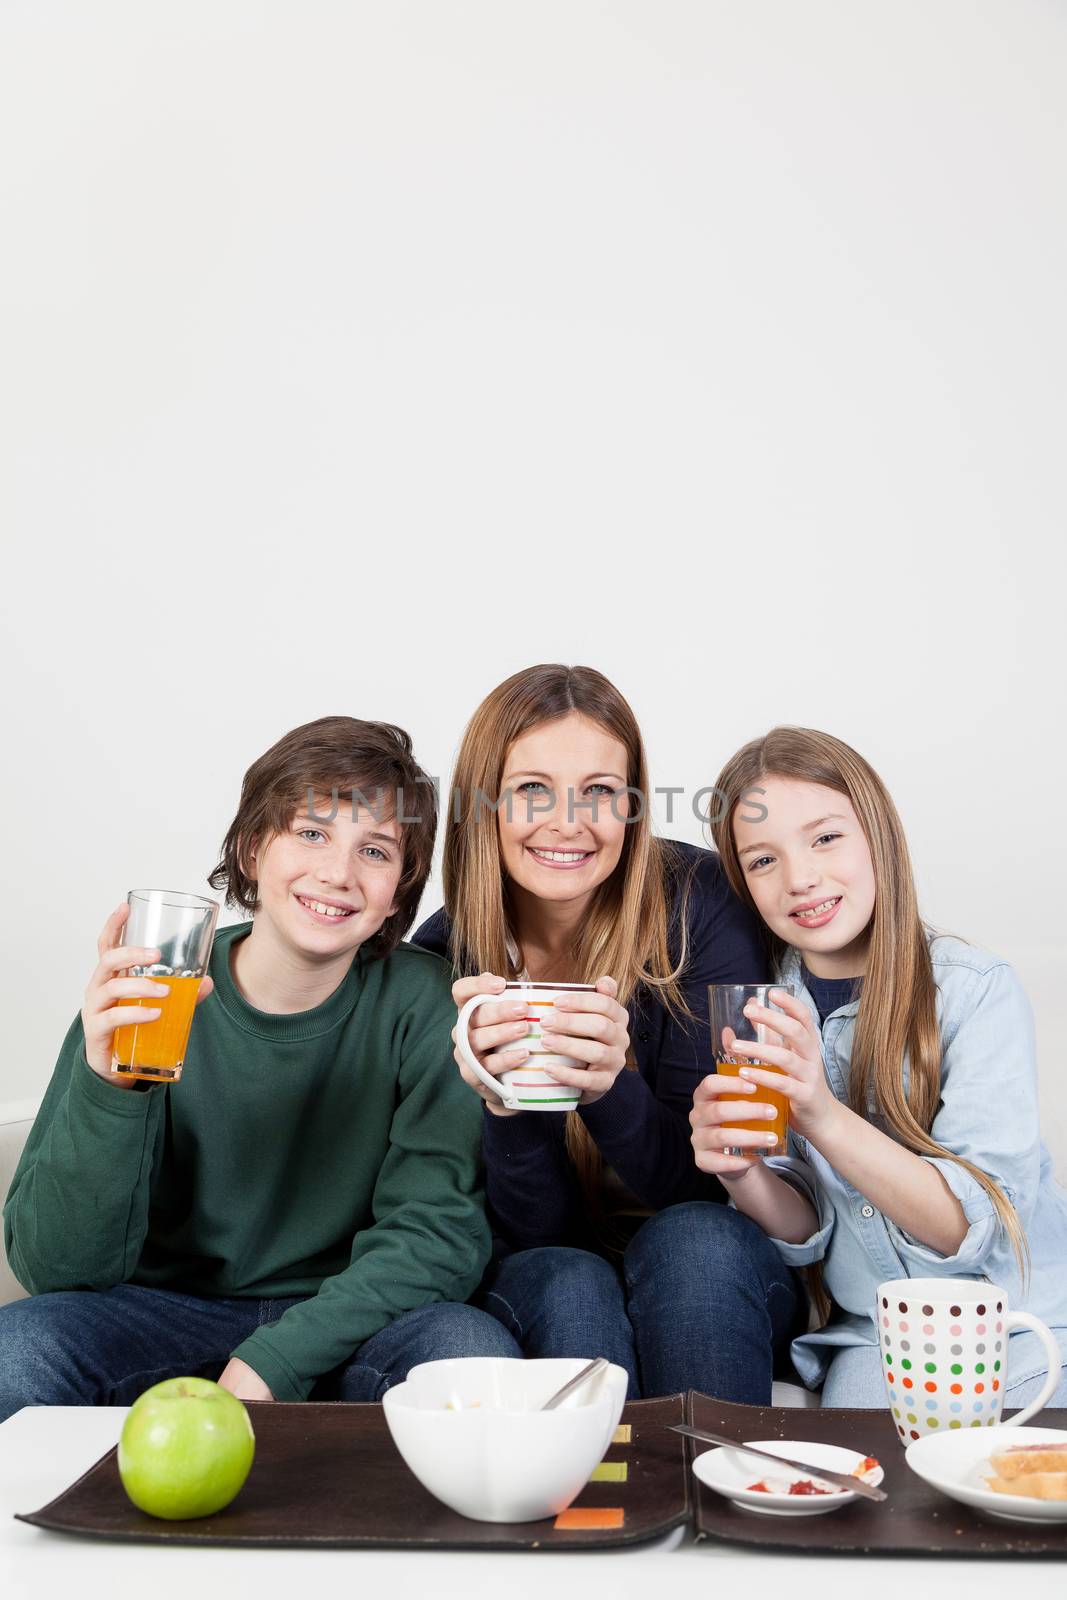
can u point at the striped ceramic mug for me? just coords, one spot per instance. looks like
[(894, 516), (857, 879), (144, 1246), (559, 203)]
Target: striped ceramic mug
[(530, 1087), (944, 1347)]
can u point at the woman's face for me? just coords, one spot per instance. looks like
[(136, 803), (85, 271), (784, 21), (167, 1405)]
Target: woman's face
[(808, 867), (563, 810)]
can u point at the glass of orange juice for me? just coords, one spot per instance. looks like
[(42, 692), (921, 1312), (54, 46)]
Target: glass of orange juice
[(726, 1003), (181, 927)]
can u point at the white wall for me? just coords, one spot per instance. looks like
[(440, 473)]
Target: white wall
[(355, 355)]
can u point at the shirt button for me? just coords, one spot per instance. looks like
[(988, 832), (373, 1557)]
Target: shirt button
[(866, 1211)]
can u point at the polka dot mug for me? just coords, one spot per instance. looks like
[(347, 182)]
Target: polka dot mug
[(944, 1347)]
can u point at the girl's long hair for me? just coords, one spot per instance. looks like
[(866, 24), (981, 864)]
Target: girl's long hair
[(897, 1018), (627, 927)]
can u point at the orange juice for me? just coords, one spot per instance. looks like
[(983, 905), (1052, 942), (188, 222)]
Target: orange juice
[(156, 1049), (762, 1096)]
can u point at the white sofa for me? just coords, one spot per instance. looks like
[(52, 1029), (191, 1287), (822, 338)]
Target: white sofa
[(16, 1118)]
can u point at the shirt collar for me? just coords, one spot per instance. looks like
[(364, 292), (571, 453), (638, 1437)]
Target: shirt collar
[(791, 971)]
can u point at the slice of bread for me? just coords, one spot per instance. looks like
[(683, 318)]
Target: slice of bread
[(1033, 1485), (1023, 1459)]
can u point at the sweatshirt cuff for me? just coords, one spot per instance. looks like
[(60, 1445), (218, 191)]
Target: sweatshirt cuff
[(277, 1374), (94, 1090)]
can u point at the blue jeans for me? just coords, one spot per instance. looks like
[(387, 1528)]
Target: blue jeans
[(105, 1347), (702, 1301)]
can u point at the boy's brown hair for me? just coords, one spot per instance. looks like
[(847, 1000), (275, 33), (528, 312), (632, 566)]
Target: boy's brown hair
[(335, 757)]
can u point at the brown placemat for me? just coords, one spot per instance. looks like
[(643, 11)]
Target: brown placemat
[(330, 1475), (916, 1520)]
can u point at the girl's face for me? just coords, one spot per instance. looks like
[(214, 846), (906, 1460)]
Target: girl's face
[(325, 887), (562, 832), (809, 870)]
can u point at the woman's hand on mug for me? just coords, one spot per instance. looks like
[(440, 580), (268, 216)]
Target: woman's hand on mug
[(593, 1028), (802, 1077), (102, 1011), (719, 1104), (493, 1028)]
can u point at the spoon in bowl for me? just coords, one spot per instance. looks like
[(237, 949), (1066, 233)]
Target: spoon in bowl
[(587, 1372)]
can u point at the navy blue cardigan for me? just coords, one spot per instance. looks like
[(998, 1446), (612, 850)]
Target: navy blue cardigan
[(641, 1126)]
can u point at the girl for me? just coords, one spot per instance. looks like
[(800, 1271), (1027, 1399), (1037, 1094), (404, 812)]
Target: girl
[(910, 1072), (608, 1240)]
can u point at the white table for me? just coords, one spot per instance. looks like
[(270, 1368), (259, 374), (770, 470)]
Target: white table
[(42, 1450)]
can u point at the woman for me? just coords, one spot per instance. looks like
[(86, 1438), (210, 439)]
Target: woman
[(609, 1241)]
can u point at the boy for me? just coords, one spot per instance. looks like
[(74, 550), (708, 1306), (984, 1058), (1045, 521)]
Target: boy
[(300, 1215)]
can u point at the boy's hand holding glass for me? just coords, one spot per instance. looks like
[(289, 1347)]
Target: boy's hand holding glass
[(801, 1076), (103, 1012)]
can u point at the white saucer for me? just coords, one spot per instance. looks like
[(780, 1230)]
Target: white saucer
[(729, 1471), (957, 1463)]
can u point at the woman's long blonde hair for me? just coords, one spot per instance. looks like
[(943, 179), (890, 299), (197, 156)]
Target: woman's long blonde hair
[(626, 930), (897, 1016)]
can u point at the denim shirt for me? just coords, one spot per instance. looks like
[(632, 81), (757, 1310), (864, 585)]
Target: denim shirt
[(988, 1114)]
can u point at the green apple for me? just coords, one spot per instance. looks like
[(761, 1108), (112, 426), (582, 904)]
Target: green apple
[(186, 1449)]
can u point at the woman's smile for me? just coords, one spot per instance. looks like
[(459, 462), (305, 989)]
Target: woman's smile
[(557, 860)]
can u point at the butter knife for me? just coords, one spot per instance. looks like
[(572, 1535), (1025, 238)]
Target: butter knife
[(844, 1480)]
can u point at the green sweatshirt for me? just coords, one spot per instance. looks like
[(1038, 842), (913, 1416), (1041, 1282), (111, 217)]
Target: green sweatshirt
[(330, 1153)]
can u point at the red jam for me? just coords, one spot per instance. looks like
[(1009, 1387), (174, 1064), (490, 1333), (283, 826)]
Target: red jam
[(800, 1486)]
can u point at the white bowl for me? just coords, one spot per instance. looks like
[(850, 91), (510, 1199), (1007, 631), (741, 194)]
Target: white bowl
[(474, 1435), (729, 1471)]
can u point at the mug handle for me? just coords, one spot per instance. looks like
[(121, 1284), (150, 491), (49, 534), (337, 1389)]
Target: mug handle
[(463, 1044), (1023, 1319)]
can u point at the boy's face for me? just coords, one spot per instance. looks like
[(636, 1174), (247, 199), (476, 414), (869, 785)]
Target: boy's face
[(327, 887)]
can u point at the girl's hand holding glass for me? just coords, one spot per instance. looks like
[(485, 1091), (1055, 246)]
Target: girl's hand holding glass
[(802, 1076), (719, 1104)]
